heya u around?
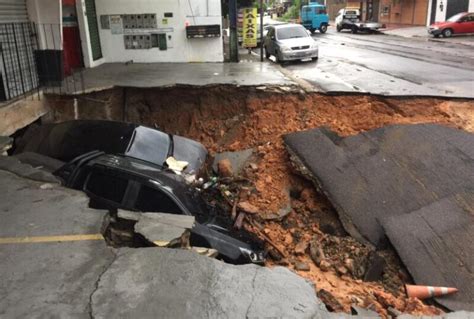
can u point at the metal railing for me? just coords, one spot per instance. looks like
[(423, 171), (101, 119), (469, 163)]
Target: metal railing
[(32, 61)]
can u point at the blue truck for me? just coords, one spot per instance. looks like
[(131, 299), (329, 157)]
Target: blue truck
[(314, 17)]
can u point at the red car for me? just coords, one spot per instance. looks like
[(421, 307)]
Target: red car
[(461, 23)]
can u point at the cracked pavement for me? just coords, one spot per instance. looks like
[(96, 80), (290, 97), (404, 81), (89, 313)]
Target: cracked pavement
[(55, 263)]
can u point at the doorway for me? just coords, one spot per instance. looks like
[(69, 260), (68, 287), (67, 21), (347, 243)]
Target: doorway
[(456, 6), (93, 29), (72, 51)]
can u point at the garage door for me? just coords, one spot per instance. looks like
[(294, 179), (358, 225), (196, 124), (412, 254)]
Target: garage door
[(17, 63)]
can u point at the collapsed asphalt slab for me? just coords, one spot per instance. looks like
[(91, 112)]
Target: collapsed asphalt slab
[(47, 270), (167, 283), (376, 178), (435, 243)]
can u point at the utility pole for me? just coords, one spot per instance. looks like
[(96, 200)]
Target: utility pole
[(233, 40), (261, 31)]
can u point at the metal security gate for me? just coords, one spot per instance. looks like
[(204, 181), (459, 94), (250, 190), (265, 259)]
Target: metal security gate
[(18, 73), (93, 29), (13, 11), (17, 59)]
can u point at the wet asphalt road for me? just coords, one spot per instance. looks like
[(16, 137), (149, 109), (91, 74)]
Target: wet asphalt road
[(388, 65)]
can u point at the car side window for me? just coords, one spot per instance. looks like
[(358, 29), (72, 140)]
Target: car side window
[(153, 200), (106, 185), (271, 32)]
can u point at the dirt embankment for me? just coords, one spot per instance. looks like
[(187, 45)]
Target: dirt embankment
[(309, 238)]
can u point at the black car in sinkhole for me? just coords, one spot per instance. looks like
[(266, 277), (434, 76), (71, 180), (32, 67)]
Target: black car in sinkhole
[(118, 176)]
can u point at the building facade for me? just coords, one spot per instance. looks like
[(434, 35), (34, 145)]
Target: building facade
[(43, 41), (404, 12), (440, 10)]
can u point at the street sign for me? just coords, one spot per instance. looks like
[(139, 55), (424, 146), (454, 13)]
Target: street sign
[(249, 33)]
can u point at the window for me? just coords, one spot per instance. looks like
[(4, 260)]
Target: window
[(153, 200), (320, 10), (107, 186)]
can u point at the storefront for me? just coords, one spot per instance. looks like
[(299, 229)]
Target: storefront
[(403, 12)]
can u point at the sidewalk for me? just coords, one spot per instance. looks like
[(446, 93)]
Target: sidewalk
[(421, 32), (149, 75)]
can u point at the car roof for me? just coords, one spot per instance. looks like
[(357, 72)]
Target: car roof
[(287, 25)]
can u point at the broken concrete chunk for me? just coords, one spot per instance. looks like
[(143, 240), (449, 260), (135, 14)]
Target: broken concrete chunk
[(15, 166), (316, 252), (301, 247), (5, 144), (161, 229), (237, 160), (330, 301), (175, 283), (325, 265), (164, 230), (224, 168), (302, 266), (375, 267), (126, 214), (247, 207)]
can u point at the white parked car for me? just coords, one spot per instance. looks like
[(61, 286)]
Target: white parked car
[(289, 42)]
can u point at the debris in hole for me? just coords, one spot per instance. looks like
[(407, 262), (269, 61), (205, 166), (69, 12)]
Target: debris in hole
[(247, 207), (390, 180), (224, 168), (330, 301), (236, 160), (175, 165), (5, 144)]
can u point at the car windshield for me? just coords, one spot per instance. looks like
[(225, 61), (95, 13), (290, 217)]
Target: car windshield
[(291, 32), (456, 17), (149, 145)]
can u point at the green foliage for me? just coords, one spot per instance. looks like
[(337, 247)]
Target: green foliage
[(293, 11)]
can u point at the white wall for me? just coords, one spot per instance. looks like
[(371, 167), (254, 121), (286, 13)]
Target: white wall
[(180, 49), (47, 15), (441, 15)]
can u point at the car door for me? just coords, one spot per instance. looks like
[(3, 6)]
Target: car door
[(271, 41), (468, 23), (155, 200), (339, 16), (106, 188)]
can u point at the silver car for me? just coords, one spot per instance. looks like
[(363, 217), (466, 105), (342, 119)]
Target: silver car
[(289, 42)]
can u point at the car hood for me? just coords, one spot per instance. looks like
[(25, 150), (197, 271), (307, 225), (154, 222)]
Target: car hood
[(296, 42), (440, 24)]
